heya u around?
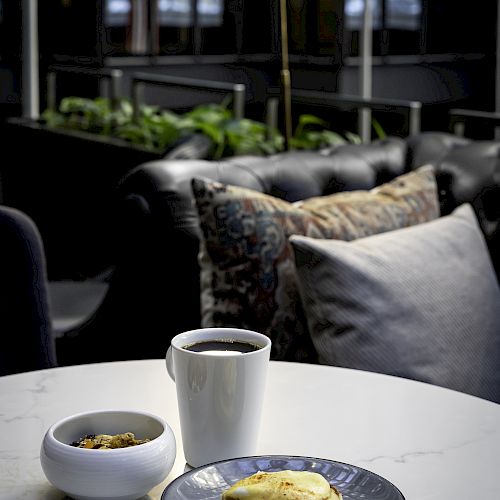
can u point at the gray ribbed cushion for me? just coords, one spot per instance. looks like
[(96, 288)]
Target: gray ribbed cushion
[(421, 302)]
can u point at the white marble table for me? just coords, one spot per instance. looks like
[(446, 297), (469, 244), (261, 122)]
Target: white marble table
[(434, 444)]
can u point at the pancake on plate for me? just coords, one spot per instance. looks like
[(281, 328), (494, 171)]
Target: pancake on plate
[(286, 484)]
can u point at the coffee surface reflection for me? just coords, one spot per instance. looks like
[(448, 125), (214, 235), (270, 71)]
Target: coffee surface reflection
[(222, 346)]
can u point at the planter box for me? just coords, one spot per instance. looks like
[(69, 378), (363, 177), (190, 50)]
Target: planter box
[(65, 181)]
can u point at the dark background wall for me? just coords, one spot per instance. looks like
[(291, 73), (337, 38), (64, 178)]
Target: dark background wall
[(10, 59)]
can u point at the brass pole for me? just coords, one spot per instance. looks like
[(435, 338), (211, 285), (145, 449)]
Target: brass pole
[(286, 87)]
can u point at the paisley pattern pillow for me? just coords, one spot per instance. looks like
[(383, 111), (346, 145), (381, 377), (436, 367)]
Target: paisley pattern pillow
[(247, 270)]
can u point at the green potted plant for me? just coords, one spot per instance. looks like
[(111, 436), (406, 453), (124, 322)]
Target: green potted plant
[(315, 133), (158, 130)]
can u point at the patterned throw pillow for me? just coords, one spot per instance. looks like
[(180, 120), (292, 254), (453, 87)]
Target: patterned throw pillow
[(248, 276)]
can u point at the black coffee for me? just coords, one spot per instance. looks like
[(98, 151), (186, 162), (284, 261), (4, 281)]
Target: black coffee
[(222, 345)]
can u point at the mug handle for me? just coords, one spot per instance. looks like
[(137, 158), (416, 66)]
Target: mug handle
[(170, 363)]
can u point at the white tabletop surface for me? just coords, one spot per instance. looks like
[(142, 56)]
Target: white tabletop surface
[(434, 444)]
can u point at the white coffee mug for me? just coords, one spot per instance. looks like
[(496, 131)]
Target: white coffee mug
[(219, 393)]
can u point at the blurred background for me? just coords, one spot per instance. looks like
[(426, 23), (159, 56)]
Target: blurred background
[(439, 52)]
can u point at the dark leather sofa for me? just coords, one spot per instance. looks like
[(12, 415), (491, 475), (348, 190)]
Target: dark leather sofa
[(154, 289)]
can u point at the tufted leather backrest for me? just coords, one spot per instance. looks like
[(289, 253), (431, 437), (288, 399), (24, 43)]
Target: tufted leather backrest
[(155, 288), (165, 186)]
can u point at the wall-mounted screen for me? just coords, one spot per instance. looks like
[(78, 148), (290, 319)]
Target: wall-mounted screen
[(354, 10), (180, 13), (399, 14), (117, 12), (404, 14), (174, 13)]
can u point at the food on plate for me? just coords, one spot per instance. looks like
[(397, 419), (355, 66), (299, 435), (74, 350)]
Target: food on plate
[(286, 484), (108, 442)]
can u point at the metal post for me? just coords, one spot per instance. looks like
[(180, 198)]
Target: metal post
[(271, 115), (30, 57), (238, 101), (137, 98), (51, 91), (139, 28), (365, 115), (415, 118), (115, 87), (459, 128)]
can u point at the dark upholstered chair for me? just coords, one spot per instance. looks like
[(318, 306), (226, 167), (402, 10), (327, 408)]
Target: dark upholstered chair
[(25, 322)]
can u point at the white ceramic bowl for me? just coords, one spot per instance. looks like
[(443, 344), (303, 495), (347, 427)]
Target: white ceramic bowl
[(125, 473)]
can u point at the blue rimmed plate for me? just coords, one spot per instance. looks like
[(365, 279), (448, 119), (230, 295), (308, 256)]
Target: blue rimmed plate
[(208, 482)]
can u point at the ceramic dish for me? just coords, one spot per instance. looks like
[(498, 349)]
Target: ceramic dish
[(210, 481), (119, 474)]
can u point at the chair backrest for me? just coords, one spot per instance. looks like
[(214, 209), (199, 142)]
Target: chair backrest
[(26, 339)]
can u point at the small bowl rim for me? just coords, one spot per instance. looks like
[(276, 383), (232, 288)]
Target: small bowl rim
[(50, 432)]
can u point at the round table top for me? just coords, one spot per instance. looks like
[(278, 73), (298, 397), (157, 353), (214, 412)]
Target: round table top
[(430, 442)]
